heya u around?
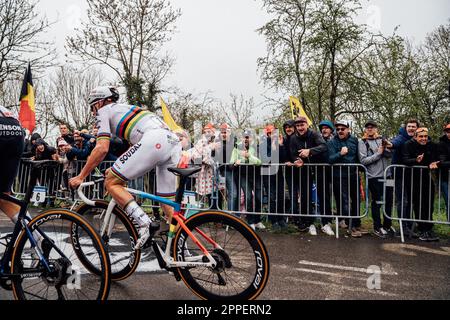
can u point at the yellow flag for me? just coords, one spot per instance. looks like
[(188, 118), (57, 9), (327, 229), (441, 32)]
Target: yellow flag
[(168, 118), (297, 109)]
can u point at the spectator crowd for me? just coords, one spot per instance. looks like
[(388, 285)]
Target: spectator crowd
[(300, 170)]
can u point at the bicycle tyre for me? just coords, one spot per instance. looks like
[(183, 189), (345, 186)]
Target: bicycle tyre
[(255, 255), (119, 271), (64, 269)]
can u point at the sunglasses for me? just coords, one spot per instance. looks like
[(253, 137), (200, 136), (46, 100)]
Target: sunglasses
[(341, 129)]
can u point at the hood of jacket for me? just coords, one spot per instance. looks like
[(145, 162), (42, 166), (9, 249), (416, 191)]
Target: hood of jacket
[(327, 123)]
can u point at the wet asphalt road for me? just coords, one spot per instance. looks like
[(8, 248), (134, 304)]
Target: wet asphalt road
[(305, 267)]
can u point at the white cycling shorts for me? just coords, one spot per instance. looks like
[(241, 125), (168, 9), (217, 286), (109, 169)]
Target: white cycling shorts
[(158, 148)]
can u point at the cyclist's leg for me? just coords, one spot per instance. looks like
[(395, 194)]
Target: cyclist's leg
[(166, 182), (153, 148)]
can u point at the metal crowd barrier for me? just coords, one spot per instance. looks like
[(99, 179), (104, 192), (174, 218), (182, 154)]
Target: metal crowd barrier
[(280, 191), (56, 182), (313, 191), (417, 192)]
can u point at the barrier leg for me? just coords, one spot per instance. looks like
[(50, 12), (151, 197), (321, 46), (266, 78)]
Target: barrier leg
[(402, 235), (337, 228)]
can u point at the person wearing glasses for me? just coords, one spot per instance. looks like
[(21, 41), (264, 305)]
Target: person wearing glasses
[(343, 149), (421, 151)]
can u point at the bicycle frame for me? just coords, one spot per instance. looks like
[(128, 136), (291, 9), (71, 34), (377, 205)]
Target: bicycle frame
[(22, 224), (178, 216)]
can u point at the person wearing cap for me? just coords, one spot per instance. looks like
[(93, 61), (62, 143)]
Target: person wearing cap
[(444, 165), (326, 128), (30, 146), (245, 158), (374, 154), (419, 152), (222, 155), (308, 147), (343, 149)]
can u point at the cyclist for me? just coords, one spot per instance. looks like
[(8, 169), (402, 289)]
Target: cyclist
[(153, 145), (12, 140)]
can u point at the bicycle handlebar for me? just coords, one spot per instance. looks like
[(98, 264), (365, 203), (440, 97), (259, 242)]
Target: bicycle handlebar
[(87, 184)]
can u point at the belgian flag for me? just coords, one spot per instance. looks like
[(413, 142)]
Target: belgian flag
[(27, 115)]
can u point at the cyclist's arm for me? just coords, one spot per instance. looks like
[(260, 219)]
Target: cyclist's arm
[(98, 154)]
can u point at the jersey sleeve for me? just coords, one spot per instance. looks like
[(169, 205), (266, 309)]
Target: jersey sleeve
[(103, 124)]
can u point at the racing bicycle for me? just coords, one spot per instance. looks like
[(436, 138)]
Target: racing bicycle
[(40, 260), (216, 254)]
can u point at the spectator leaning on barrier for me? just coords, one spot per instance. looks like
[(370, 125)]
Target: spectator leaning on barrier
[(30, 146), (343, 149), (444, 165), (326, 128), (308, 147), (80, 149), (421, 151), (374, 153), (44, 151), (245, 158), (402, 176)]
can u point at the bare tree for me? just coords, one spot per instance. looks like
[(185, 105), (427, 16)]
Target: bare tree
[(239, 112), (21, 39), (127, 36), (190, 108), (69, 90)]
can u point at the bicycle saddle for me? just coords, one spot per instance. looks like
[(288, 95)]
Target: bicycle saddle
[(185, 172)]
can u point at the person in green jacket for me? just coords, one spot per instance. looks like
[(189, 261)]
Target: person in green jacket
[(244, 156)]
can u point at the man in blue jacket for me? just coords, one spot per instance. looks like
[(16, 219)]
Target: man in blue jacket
[(343, 149), (402, 176)]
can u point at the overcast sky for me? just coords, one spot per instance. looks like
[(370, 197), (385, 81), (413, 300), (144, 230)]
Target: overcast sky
[(216, 46)]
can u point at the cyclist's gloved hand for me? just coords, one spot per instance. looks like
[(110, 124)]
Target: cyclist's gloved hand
[(75, 182)]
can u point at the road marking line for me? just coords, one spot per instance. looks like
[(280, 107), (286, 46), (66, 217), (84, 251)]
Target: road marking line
[(333, 266), (340, 287), (331, 274)]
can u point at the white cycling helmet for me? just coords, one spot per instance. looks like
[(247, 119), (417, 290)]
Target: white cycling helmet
[(102, 93)]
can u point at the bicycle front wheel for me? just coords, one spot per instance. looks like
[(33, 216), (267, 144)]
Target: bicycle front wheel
[(119, 238), (61, 276), (242, 269)]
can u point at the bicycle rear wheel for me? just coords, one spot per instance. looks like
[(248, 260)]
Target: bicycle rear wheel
[(119, 241), (66, 278), (242, 267)]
